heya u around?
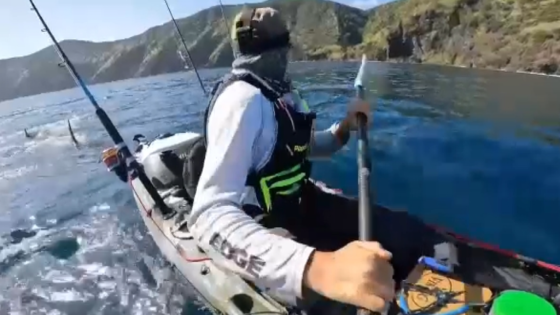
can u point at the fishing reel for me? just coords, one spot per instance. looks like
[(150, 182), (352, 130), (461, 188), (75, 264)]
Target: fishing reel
[(115, 162)]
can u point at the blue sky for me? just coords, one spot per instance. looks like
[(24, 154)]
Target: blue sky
[(96, 20)]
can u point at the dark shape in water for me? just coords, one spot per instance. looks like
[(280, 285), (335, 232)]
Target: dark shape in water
[(18, 235), (27, 135), (146, 273), (11, 261), (72, 136), (63, 249), (76, 143)]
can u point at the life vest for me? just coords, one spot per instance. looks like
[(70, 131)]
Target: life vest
[(279, 183)]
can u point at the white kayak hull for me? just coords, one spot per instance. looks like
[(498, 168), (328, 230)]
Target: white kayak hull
[(221, 290)]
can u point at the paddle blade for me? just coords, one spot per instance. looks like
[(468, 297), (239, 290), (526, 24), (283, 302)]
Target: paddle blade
[(360, 78)]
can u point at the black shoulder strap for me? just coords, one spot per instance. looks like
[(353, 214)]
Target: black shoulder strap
[(221, 85), (193, 165), (194, 161), (270, 94)]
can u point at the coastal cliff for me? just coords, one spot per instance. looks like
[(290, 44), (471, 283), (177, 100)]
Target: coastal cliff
[(498, 34)]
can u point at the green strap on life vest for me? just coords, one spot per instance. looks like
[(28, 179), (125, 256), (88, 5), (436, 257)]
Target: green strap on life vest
[(291, 183), (302, 100)]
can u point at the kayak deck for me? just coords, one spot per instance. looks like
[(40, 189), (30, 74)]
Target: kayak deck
[(427, 284), (421, 293)]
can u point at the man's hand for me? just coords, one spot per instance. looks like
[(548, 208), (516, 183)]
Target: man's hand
[(350, 122), (355, 107), (359, 274)]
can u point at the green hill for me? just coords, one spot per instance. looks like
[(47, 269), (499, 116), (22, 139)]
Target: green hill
[(500, 34), (511, 34)]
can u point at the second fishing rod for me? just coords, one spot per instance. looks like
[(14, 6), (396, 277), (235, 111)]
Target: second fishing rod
[(184, 44)]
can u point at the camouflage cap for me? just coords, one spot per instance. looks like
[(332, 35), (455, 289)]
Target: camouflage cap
[(262, 24)]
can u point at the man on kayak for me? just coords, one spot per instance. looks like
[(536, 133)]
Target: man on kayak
[(259, 136)]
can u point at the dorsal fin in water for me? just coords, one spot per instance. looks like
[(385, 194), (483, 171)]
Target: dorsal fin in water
[(27, 135), (76, 143)]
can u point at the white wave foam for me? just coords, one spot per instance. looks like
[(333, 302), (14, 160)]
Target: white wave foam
[(100, 208), (69, 296), (59, 276), (27, 245), (105, 268), (16, 172), (54, 133), (57, 139), (95, 269)]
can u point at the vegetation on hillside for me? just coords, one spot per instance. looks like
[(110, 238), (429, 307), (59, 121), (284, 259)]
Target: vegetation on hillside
[(501, 34)]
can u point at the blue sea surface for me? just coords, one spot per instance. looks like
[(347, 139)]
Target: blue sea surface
[(477, 152)]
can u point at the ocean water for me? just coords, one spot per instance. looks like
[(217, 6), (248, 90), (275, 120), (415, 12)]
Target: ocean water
[(477, 152)]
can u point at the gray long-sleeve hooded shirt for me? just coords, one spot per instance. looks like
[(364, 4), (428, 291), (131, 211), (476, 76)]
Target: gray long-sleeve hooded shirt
[(241, 135)]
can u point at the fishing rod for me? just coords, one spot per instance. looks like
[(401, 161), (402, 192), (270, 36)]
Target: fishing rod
[(185, 47), (134, 168)]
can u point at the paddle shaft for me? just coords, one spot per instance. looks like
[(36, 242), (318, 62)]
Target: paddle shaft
[(364, 168)]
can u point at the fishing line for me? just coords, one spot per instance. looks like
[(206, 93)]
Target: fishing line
[(178, 30), (228, 29)]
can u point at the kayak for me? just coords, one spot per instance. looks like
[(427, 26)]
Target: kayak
[(464, 277), (431, 288)]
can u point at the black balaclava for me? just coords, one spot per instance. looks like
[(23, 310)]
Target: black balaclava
[(270, 65)]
